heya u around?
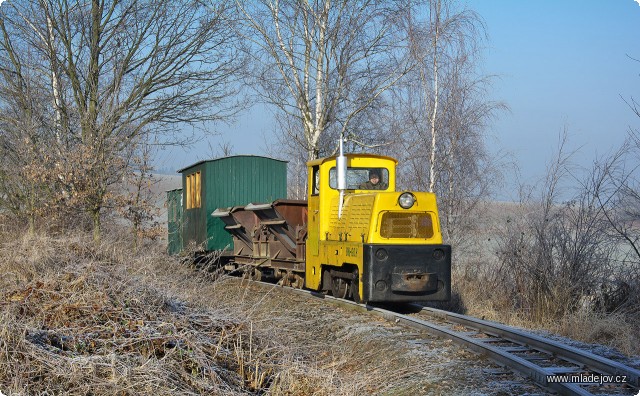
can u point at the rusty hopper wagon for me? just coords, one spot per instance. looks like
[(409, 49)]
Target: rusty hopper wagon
[(269, 239), (355, 237)]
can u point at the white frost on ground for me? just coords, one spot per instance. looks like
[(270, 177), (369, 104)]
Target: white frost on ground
[(597, 349)]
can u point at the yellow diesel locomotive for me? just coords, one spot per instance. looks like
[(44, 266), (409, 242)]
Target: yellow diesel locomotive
[(374, 243), (354, 237)]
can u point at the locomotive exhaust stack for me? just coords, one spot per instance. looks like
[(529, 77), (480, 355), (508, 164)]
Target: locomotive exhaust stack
[(341, 166)]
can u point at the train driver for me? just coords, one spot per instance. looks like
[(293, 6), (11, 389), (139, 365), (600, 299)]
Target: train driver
[(375, 181)]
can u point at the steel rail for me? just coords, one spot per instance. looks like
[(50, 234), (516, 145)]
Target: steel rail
[(569, 353), (537, 373)]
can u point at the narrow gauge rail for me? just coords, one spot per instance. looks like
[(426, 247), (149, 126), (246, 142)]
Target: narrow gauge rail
[(536, 357)]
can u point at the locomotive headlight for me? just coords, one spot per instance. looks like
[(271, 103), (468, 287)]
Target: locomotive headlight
[(406, 200)]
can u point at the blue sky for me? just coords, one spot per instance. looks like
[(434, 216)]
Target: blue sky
[(558, 63), (561, 63)]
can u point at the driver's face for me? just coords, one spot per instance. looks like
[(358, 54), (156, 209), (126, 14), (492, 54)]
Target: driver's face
[(374, 179)]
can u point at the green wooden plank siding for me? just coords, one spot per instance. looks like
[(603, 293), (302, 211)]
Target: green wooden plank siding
[(174, 221), (230, 181)]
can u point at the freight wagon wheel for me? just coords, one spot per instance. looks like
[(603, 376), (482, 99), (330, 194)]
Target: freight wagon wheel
[(297, 282), (254, 274), (339, 287)]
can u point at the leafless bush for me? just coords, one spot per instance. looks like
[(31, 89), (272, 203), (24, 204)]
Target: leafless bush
[(553, 253), (553, 260)]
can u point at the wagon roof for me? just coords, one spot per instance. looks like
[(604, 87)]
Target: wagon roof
[(224, 158)]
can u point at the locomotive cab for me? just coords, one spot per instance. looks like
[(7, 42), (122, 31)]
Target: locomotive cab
[(374, 243)]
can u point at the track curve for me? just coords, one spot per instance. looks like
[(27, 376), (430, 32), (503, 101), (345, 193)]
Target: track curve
[(543, 360)]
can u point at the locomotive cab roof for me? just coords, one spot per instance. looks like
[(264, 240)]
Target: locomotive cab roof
[(321, 161)]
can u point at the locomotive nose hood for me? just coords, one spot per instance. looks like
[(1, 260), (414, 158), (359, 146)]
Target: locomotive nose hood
[(380, 218)]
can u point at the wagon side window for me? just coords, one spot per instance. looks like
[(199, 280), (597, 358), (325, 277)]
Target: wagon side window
[(193, 190)]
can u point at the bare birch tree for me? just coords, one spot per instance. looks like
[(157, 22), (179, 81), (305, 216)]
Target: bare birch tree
[(444, 48), (441, 113), (114, 70), (323, 62)]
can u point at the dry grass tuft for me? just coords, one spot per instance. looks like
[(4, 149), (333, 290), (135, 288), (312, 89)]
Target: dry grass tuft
[(610, 329), (77, 318)]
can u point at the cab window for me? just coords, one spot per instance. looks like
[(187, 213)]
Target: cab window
[(362, 178)]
